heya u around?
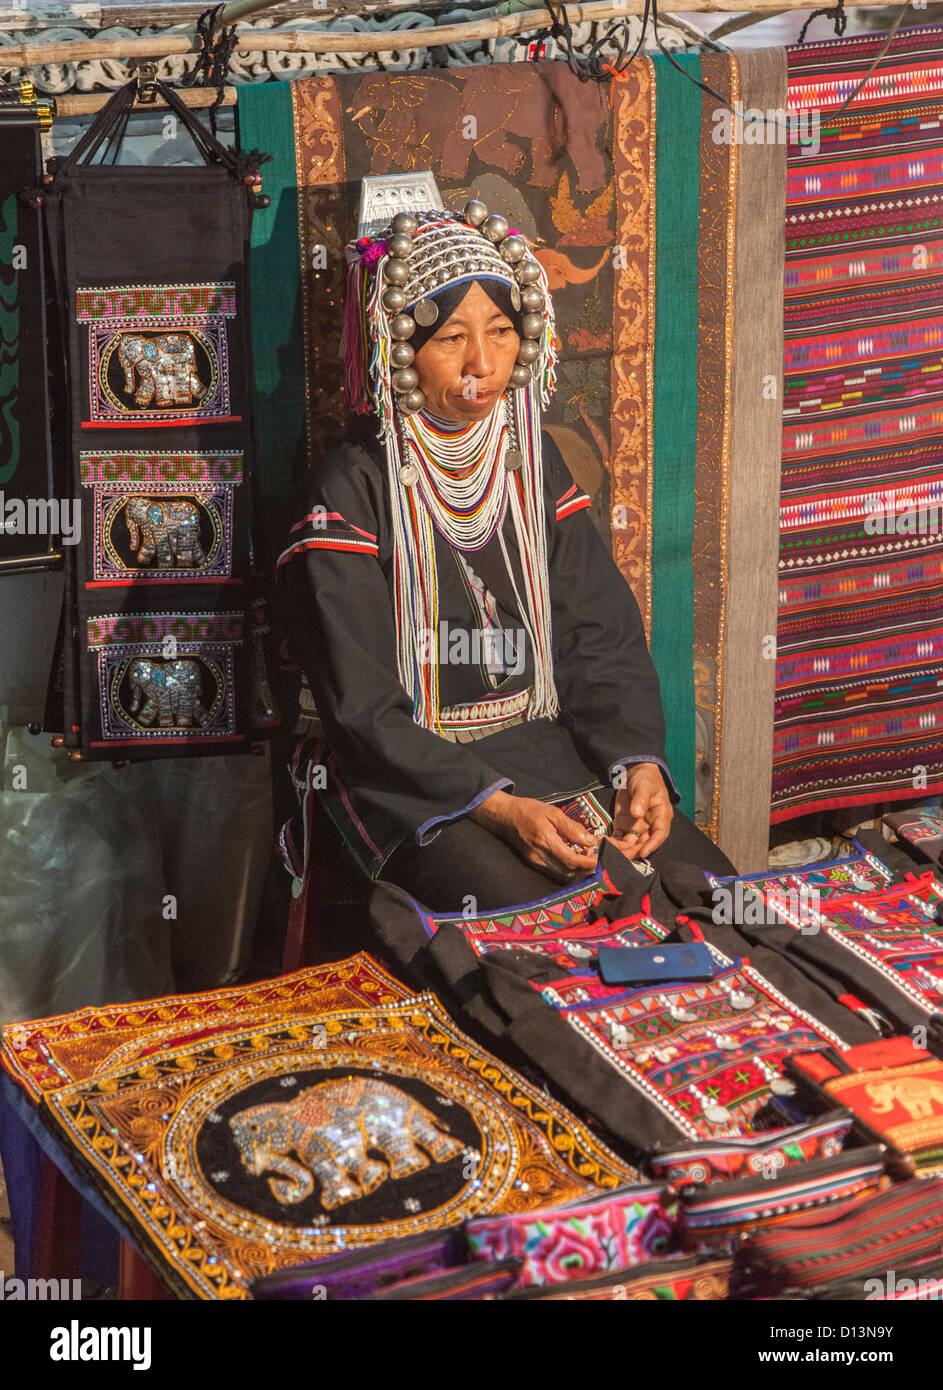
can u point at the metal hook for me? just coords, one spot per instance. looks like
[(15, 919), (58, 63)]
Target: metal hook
[(146, 80)]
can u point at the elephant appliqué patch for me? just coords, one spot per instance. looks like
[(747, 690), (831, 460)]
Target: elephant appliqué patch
[(177, 683), (157, 352), (161, 517), (331, 1133)]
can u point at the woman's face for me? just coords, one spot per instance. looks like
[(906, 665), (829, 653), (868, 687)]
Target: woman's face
[(467, 364)]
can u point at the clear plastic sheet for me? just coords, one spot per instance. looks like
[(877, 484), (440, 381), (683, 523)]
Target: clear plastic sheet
[(125, 883)]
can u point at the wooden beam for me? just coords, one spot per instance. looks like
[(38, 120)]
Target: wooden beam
[(28, 55), (85, 104)]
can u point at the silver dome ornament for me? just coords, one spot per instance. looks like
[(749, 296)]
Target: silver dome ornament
[(409, 475), (402, 354), (532, 299), (532, 325), (394, 299), (521, 376), (402, 327), (406, 379), (528, 352), (513, 249), (474, 212), (404, 224), (400, 245), (412, 401), (529, 272), (426, 313), (396, 272), (495, 227)]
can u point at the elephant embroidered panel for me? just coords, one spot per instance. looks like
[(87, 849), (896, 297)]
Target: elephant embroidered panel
[(709, 1054), (157, 354), (248, 1149), (166, 675), (161, 517)]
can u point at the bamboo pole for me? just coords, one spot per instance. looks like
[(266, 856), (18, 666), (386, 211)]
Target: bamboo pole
[(27, 55)]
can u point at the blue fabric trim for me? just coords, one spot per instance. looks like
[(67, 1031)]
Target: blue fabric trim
[(422, 834), (646, 758)]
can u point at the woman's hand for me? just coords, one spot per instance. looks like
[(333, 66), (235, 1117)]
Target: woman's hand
[(642, 815), (542, 835)]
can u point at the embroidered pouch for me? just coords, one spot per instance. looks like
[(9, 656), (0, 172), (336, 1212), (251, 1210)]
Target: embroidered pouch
[(761, 1156), (478, 1280), (903, 1103), (719, 1215), (614, 1231), (887, 1231), (681, 1279), (365, 1272)]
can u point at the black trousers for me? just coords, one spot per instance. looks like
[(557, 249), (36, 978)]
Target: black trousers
[(466, 860)]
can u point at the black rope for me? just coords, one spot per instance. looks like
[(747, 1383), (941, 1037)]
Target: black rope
[(212, 65), (837, 15), (594, 67)]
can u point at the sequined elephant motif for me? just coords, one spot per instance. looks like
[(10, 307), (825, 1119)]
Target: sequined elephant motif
[(332, 1129), (919, 1096), (172, 693), (160, 367), (170, 530)]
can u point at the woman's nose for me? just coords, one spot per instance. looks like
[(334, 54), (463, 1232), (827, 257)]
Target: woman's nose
[(478, 357)]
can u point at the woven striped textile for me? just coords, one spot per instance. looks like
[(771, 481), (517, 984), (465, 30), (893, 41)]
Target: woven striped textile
[(859, 711)]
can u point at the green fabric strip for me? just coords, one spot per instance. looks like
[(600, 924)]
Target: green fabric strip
[(265, 123), (677, 168)]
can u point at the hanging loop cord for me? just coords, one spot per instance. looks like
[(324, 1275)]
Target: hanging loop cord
[(216, 49)]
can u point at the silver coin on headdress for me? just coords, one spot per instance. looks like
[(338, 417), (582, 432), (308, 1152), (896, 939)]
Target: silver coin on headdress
[(426, 313)]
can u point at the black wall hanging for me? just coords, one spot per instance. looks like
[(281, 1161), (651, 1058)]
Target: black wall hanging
[(164, 611)]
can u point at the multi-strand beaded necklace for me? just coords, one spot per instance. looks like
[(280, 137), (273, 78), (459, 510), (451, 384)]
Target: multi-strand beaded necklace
[(461, 483)]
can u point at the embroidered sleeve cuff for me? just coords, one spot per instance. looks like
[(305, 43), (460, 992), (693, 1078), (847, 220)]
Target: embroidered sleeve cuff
[(430, 828), (647, 758)]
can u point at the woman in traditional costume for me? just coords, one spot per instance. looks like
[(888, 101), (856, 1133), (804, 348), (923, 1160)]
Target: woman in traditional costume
[(478, 663)]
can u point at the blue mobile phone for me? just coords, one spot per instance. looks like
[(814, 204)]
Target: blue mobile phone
[(643, 965)]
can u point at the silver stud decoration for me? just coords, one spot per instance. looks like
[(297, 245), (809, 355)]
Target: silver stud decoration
[(407, 379), (402, 326), (400, 245), (405, 224), (495, 227), (412, 401), (527, 353), (402, 355), (532, 299), (474, 212), (513, 249), (394, 300), (529, 272), (521, 376), (397, 272), (532, 325)]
